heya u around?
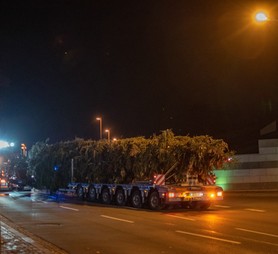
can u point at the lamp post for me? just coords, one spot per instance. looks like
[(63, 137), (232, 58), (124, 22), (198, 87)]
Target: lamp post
[(100, 126), (108, 134), (23, 150)]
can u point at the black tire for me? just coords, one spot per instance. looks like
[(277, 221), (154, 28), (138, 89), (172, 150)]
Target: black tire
[(154, 201), (105, 196), (120, 198), (193, 204), (92, 195), (205, 205), (80, 192), (136, 199)]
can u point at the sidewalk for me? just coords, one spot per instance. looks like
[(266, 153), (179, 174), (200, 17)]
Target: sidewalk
[(17, 240)]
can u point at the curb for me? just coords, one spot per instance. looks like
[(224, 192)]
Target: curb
[(16, 239)]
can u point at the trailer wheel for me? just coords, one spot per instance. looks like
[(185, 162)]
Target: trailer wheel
[(80, 191), (120, 198), (136, 199), (205, 206), (154, 201), (92, 196), (105, 196), (193, 204)]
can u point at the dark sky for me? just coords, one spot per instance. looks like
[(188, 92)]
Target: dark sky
[(195, 66)]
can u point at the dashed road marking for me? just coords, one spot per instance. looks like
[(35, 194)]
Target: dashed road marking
[(257, 232), (69, 208), (208, 237), (118, 219), (255, 210), (180, 217)]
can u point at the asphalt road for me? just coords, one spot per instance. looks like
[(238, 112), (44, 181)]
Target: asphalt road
[(242, 223)]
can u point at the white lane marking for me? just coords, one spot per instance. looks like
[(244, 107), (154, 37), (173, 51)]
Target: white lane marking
[(69, 208), (114, 218), (132, 208), (257, 241), (180, 217), (257, 232), (255, 210), (210, 231), (222, 206), (208, 237)]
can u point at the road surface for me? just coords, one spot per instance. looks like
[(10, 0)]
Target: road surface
[(242, 223)]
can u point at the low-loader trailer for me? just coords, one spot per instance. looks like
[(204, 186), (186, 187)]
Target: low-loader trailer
[(154, 194)]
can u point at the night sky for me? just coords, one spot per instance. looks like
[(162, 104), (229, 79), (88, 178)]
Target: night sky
[(196, 66)]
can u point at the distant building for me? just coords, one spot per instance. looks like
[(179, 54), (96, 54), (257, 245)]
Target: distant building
[(270, 130), (253, 171)]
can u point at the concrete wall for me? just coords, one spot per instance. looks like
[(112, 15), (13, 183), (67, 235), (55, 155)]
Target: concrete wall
[(252, 171)]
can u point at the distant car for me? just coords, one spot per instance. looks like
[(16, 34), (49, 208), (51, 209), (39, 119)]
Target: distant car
[(4, 185), (16, 184)]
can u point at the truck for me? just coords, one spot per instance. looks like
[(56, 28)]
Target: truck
[(161, 171), (154, 194)]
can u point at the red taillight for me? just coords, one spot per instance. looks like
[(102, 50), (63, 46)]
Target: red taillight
[(154, 179)]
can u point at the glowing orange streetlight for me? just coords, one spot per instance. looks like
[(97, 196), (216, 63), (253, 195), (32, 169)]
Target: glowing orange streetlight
[(261, 17), (108, 134), (24, 150), (100, 126)]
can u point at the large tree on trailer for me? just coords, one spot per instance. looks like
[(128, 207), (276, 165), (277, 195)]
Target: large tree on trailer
[(126, 160)]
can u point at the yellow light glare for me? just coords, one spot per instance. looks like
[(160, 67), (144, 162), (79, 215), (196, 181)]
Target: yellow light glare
[(212, 195)]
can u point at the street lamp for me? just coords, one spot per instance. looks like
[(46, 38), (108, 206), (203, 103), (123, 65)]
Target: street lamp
[(100, 126), (108, 134), (261, 17), (5, 144), (24, 150)]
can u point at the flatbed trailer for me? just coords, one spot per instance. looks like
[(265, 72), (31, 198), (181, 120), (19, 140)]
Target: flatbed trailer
[(148, 194)]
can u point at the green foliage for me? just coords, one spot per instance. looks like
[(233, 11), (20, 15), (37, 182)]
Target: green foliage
[(125, 160)]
